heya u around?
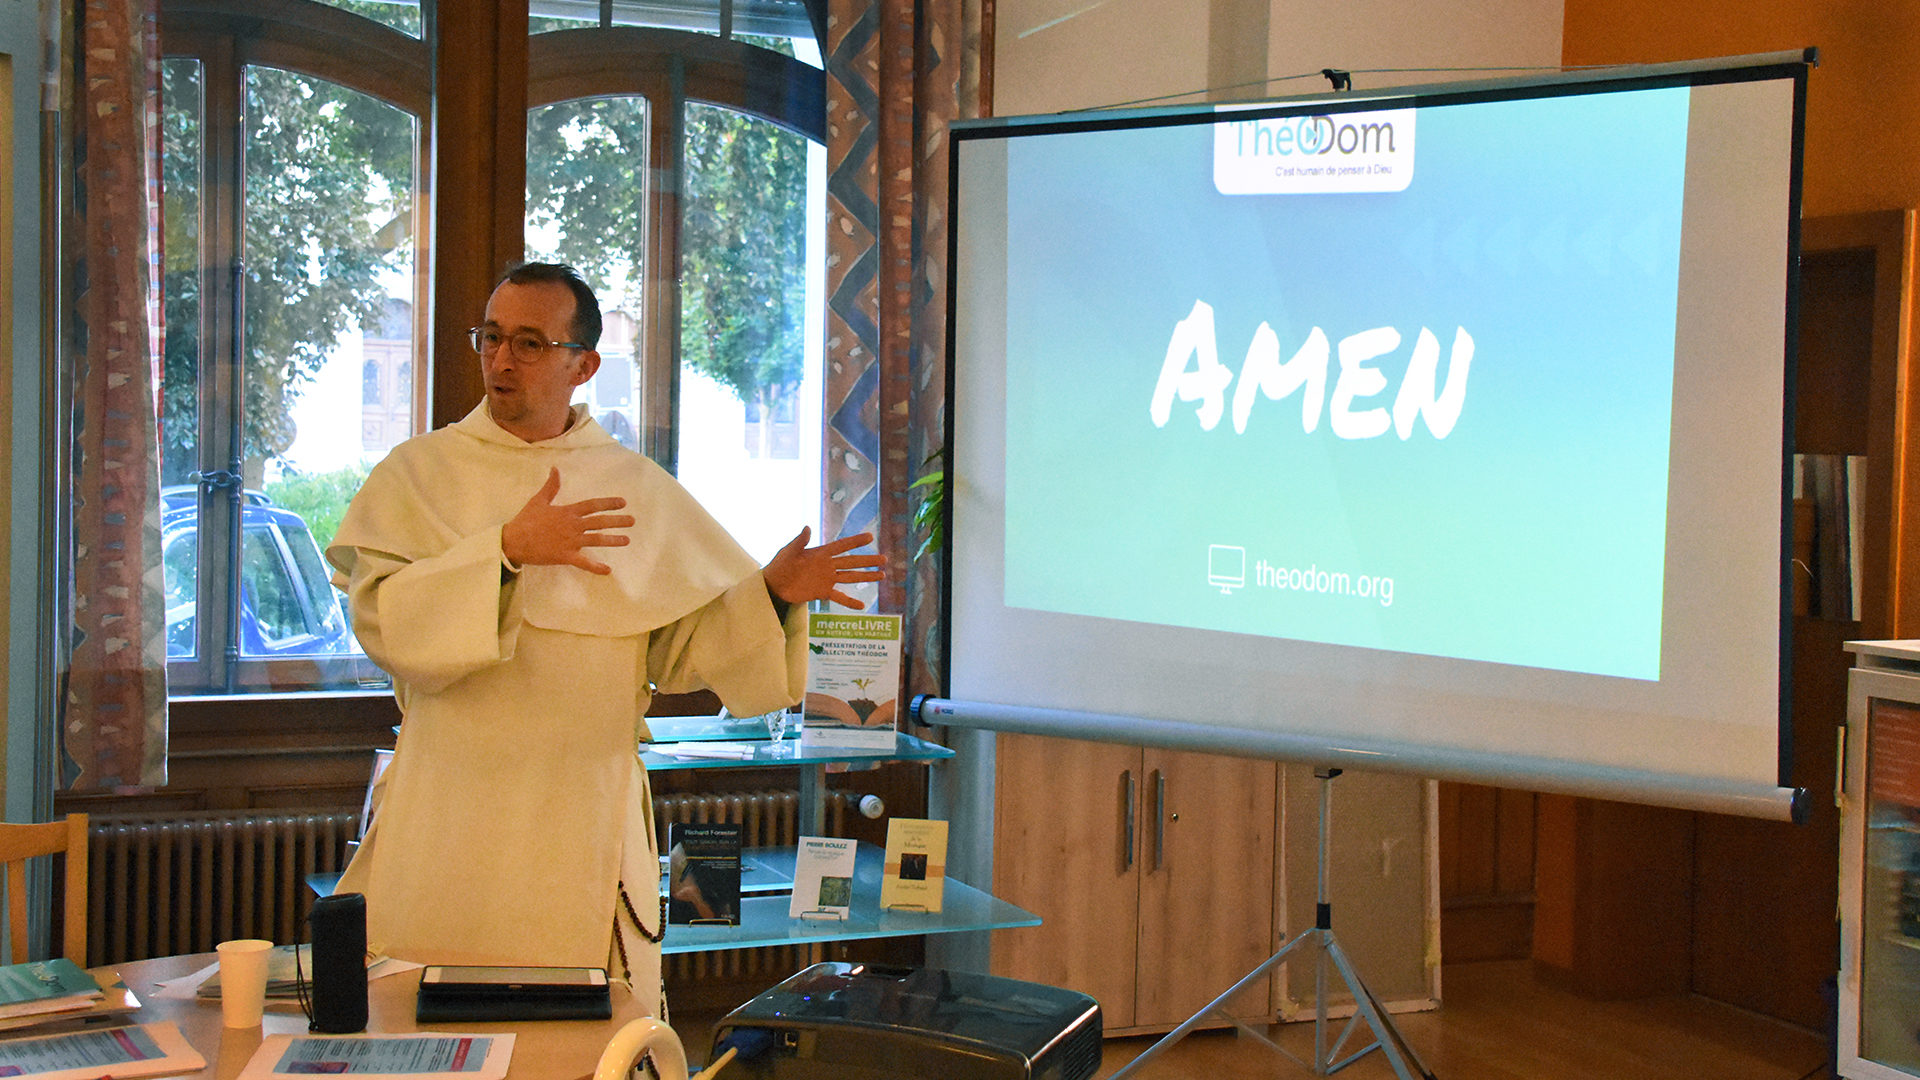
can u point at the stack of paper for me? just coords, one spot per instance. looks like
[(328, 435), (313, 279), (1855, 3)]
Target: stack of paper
[(113, 1005), (734, 750), (283, 979), (424, 1056), (45, 986)]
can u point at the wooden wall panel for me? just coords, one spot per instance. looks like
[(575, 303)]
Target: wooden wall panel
[(1486, 873), (1753, 882), (1769, 881), (1612, 916)]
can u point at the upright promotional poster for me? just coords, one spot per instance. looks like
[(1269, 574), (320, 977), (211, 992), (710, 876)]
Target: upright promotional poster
[(853, 679)]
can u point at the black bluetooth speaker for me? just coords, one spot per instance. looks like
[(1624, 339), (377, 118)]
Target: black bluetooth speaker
[(339, 926)]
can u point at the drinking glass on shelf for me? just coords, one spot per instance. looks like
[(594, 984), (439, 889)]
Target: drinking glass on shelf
[(776, 722)]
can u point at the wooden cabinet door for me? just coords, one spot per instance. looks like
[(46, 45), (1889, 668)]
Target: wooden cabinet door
[(1061, 851), (1206, 887)]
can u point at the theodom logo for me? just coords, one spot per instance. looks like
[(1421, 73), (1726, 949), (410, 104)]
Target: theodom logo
[(1314, 155)]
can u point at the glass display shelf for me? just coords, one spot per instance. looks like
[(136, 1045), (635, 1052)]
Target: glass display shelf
[(762, 870), (1888, 919), (706, 728), (767, 873), (764, 920), (761, 752)]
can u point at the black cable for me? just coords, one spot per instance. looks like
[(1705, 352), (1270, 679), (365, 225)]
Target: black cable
[(1321, 73), (1208, 90), (300, 987)]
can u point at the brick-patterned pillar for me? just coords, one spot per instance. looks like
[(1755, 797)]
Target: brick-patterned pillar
[(854, 312), (897, 73)]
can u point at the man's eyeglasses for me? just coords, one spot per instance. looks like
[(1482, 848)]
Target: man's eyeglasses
[(487, 341)]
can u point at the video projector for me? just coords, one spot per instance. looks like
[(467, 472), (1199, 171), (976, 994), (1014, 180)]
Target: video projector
[(873, 1022)]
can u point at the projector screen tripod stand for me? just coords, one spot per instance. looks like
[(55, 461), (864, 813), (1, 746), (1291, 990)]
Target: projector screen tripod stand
[(1327, 952)]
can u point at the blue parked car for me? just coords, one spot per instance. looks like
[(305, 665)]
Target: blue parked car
[(287, 605)]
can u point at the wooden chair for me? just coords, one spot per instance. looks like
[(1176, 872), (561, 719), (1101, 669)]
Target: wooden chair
[(18, 843)]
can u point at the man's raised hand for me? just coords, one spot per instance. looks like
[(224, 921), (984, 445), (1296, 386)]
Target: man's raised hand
[(799, 573), (546, 534)]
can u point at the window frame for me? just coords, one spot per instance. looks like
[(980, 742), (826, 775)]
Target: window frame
[(310, 39), (671, 68), (297, 747)]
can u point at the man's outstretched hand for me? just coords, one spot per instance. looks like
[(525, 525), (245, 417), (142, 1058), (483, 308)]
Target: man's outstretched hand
[(799, 573), (546, 534)]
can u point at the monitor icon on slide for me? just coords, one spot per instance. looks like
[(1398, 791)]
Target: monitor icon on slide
[(1226, 567)]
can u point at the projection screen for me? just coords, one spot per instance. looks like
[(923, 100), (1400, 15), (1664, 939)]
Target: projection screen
[(1442, 431)]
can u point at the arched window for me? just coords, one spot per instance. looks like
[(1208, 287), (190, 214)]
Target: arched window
[(674, 154), (684, 173), (291, 214)]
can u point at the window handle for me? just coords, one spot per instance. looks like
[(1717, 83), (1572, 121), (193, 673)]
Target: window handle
[(216, 479)]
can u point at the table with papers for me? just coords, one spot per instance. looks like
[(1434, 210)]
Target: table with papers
[(543, 1050)]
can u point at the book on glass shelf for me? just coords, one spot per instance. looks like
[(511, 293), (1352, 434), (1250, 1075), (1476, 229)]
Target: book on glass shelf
[(703, 873), (822, 878), (915, 875)]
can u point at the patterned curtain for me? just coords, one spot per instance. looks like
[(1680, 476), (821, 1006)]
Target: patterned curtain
[(898, 72), (113, 727)]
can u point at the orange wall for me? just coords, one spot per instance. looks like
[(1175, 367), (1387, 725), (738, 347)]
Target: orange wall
[(1863, 100), (1862, 148)]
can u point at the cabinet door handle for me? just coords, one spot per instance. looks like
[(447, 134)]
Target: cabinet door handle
[(1128, 818), (1159, 817)]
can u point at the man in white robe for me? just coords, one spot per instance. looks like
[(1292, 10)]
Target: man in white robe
[(525, 637)]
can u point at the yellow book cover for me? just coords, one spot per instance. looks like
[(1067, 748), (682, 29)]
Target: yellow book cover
[(915, 875)]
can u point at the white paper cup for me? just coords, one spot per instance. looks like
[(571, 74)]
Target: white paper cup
[(243, 981)]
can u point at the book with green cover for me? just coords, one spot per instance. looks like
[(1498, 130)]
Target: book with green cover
[(822, 878), (44, 986)]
